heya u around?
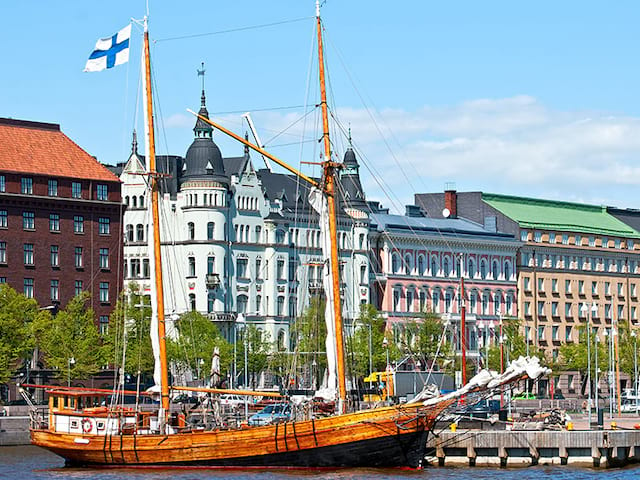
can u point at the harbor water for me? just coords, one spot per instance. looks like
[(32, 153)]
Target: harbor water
[(29, 462)]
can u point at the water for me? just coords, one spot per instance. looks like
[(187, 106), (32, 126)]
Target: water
[(25, 463)]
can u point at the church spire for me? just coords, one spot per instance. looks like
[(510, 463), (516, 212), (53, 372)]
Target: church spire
[(203, 129), (134, 143)]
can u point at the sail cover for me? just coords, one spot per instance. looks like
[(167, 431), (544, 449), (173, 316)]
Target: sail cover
[(155, 340), (318, 201)]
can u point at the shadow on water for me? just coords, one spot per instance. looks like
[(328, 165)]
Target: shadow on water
[(34, 463)]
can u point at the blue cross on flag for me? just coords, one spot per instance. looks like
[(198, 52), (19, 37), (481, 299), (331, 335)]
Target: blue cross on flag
[(110, 51)]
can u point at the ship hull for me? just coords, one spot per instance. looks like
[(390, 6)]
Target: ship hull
[(387, 437)]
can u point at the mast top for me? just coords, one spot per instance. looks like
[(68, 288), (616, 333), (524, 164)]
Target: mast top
[(201, 74)]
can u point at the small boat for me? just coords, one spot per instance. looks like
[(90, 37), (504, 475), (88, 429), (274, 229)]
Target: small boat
[(85, 432)]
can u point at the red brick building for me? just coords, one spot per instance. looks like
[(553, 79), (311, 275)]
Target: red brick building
[(60, 218)]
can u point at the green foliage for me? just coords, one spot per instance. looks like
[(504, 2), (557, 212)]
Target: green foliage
[(197, 338), (424, 340), (17, 314), (370, 331), (130, 321), (514, 346), (309, 333), (72, 333), (258, 347)]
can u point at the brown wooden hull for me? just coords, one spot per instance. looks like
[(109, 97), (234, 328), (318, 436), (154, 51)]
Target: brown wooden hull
[(385, 437)]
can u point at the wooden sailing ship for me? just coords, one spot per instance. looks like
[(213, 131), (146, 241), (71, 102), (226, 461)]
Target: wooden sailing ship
[(83, 431)]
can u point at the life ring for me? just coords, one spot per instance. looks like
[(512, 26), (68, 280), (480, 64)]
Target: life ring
[(87, 425)]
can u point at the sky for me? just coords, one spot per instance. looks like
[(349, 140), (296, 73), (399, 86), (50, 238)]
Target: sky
[(525, 98)]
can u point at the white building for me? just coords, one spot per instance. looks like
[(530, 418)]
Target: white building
[(240, 240)]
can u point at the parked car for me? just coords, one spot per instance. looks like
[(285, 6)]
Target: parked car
[(274, 413), (629, 405), (185, 399), (230, 400)]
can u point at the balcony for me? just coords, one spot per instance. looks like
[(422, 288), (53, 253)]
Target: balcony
[(212, 281)]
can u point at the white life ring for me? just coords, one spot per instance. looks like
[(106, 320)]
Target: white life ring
[(87, 425)]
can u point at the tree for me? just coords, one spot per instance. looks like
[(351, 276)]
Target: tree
[(259, 346), (17, 314), (197, 339), (309, 333), (514, 345), (131, 320), (425, 341), (71, 334)]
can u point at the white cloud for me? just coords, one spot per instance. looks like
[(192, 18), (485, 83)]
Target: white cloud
[(512, 145)]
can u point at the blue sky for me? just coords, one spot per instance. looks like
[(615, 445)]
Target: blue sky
[(533, 98)]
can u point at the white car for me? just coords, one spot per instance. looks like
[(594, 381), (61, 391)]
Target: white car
[(629, 405), (230, 400)]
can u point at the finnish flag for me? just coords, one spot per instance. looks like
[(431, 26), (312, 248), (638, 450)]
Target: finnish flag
[(110, 51)]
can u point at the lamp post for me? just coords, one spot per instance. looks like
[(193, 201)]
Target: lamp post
[(596, 340), (585, 311), (70, 361), (385, 345), (635, 366)]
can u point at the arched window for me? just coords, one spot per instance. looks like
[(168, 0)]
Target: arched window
[(420, 265), (409, 300), (210, 230), (141, 201), (191, 231), (130, 233), (508, 304), (242, 303), (408, 264), (507, 270), (434, 267), (497, 303), (140, 232), (192, 301), (485, 303), (448, 300), (445, 267), (495, 271), (280, 306), (395, 263), (258, 304), (134, 201), (281, 340), (483, 269), (126, 200), (292, 307), (435, 299), (471, 268)]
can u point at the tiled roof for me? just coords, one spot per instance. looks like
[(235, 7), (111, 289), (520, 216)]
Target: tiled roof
[(560, 216), (42, 149)]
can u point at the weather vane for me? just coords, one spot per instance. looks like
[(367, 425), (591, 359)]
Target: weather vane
[(201, 73)]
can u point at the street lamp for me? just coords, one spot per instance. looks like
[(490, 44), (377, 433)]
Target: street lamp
[(635, 366), (596, 340), (70, 361), (385, 345)]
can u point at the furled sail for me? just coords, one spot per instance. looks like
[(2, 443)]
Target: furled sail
[(318, 201)]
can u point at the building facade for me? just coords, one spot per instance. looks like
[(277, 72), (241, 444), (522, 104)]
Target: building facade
[(418, 264), (578, 264), (60, 216), (240, 240)]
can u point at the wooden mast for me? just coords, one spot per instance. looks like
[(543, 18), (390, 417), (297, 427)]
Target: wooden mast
[(164, 377), (330, 168)]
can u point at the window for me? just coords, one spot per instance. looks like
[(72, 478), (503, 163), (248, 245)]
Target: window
[(523, 235), (55, 256), (211, 265), (259, 269), (554, 285), (630, 244), (607, 288), (211, 301), (567, 287), (192, 266), (78, 257), (28, 253), (241, 267), (258, 234), (605, 242), (242, 301), (292, 270), (78, 224), (581, 287), (3, 184), (616, 243), (409, 302), (104, 292), (620, 289), (527, 308), (78, 287), (565, 239), (55, 290), (259, 304), (280, 236), (578, 240), (537, 236), (129, 233), (540, 333), (527, 284), (192, 302), (28, 221), (210, 230), (280, 306), (620, 312), (483, 269), (52, 188), (395, 263), (541, 309), (3, 252), (508, 304), (567, 310), (104, 328), (280, 269), (145, 268), (567, 333), (103, 225), (592, 241), (3, 219), (541, 284), (26, 186), (76, 190), (28, 287), (507, 271), (363, 274), (292, 306), (554, 309), (554, 333), (135, 267), (54, 222), (594, 288), (139, 232), (396, 300), (104, 258), (3, 280), (607, 310), (495, 271), (485, 303), (101, 192), (633, 290), (191, 231), (497, 303)]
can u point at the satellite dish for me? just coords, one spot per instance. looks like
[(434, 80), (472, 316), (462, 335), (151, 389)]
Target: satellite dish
[(446, 213)]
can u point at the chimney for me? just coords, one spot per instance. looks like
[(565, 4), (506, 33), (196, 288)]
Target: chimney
[(451, 202)]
